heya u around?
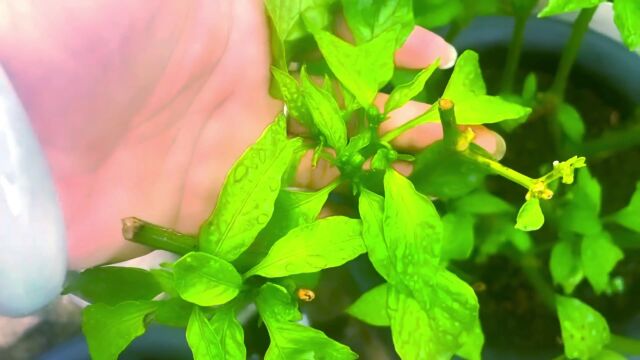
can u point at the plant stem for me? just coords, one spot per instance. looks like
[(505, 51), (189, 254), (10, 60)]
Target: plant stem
[(624, 345), (500, 169), (418, 120), (448, 119), (157, 237), (513, 55), (570, 52)]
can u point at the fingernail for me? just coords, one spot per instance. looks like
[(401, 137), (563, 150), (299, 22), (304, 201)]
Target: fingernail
[(450, 58), (501, 147), (32, 236)]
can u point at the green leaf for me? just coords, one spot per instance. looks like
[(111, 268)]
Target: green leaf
[(627, 18), (166, 280), (205, 279), (556, 7), (325, 113), (629, 216), (202, 339), (286, 15), (530, 216), (482, 203), (173, 312), (292, 94), (362, 69), (405, 92), (293, 208), (325, 243), (448, 324), (570, 122), (584, 330), (565, 265), (599, 256), (371, 307), (413, 232), (110, 329), (431, 14), (458, 236), (369, 19), (246, 200), (444, 173), (404, 209), (289, 339), (581, 214), (468, 92), (371, 207), (112, 285), (229, 333)]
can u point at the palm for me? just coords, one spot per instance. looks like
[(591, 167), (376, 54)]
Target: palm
[(159, 105)]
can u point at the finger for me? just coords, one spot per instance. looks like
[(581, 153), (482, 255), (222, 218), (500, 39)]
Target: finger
[(428, 133), (422, 48)]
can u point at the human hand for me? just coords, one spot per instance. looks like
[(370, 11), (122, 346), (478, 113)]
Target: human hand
[(141, 108)]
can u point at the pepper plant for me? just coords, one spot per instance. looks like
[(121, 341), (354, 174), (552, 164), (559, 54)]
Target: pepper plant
[(263, 233)]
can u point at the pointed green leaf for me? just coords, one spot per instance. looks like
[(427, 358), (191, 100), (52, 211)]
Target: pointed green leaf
[(289, 339), (482, 203), (229, 334), (599, 256), (369, 19), (292, 95), (565, 265), (467, 90), (584, 330), (362, 69), (325, 243), (570, 122), (293, 208), (581, 215), (458, 238), (371, 206), (405, 208), (405, 92), (442, 172), (325, 113), (205, 279), (112, 285), (556, 7), (173, 312), (530, 216), (530, 88), (627, 19), (246, 200), (110, 329), (629, 216), (443, 323), (202, 339), (371, 307)]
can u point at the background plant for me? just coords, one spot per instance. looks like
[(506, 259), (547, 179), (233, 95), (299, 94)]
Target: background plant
[(263, 234)]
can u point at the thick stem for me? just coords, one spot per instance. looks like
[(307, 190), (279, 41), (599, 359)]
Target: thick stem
[(157, 237), (448, 119), (513, 55), (580, 27)]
